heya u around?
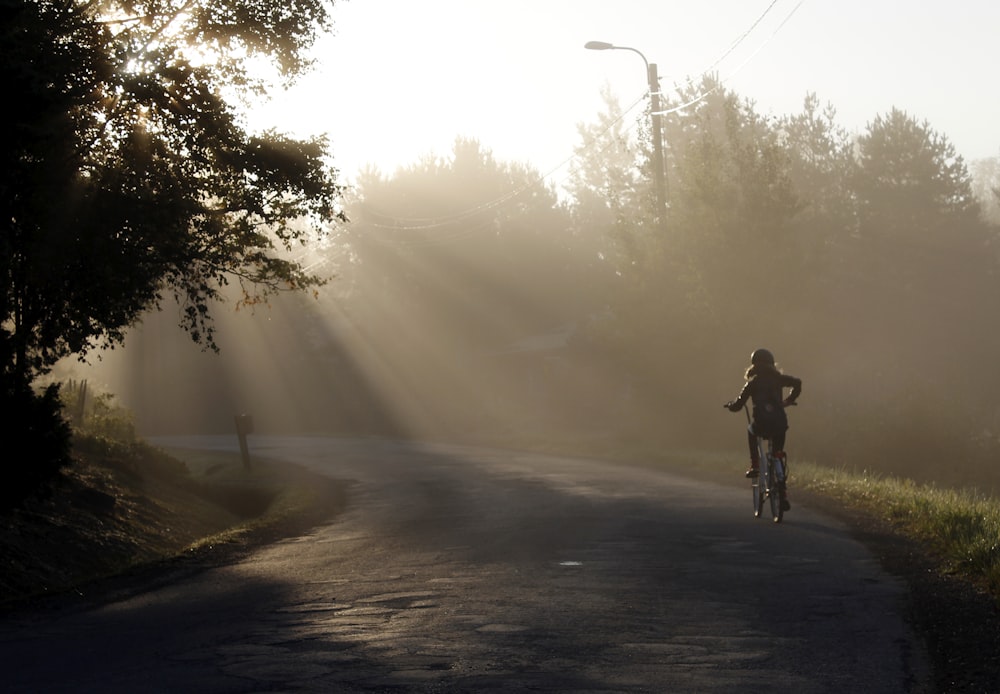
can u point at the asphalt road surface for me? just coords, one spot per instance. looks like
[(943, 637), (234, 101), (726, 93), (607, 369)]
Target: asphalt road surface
[(457, 569)]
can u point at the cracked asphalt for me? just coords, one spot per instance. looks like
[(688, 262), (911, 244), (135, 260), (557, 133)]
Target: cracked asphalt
[(460, 569)]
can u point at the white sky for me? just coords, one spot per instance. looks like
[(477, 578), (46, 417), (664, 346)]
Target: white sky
[(403, 78)]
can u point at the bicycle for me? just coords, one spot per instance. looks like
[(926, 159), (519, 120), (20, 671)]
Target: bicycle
[(769, 483)]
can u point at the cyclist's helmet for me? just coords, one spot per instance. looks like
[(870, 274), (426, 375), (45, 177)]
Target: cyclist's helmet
[(762, 356)]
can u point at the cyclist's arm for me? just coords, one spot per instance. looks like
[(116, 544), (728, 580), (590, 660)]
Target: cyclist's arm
[(737, 404), (795, 384)]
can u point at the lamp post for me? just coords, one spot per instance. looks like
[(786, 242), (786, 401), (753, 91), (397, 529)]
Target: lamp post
[(654, 96)]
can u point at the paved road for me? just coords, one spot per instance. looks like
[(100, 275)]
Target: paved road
[(456, 569)]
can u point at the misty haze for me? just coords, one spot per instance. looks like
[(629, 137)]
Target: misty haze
[(459, 425), (470, 301)]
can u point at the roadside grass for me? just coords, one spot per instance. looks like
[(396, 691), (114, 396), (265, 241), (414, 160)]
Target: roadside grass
[(264, 497), (257, 498)]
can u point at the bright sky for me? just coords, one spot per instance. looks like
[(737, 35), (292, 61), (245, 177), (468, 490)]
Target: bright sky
[(403, 78)]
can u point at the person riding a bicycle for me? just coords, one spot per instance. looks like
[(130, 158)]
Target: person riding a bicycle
[(764, 386)]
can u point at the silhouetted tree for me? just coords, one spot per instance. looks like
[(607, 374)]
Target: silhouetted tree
[(127, 177), (862, 257), (910, 180), (732, 203), (920, 231), (820, 164), (911, 298)]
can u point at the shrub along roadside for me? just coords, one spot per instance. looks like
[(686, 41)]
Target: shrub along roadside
[(33, 426)]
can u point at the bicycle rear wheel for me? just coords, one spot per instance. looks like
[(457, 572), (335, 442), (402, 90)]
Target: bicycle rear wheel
[(774, 491), (758, 496), (758, 482)]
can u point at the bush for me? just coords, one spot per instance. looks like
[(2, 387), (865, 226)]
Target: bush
[(96, 414), (34, 424)]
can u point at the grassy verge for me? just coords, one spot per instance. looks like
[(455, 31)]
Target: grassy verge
[(269, 495)]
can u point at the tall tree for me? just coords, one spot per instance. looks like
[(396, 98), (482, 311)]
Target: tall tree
[(606, 184), (127, 176), (910, 179), (820, 164), (921, 271), (732, 204), (918, 217)]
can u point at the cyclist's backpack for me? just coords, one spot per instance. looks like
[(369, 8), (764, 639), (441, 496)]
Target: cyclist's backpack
[(768, 412)]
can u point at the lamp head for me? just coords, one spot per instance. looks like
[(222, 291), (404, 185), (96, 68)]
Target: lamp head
[(598, 45)]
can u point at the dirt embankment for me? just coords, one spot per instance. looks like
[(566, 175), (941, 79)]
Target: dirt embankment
[(110, 516)]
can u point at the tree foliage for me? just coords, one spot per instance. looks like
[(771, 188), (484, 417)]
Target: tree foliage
[(128, 176), (39, 444), (821, 159), (606, 184), (453, 261), (732, 200), (921, 242), (909, 178), (468, 237), (864, 258)]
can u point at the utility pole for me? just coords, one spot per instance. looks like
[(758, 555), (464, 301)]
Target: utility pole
[(659, 173)]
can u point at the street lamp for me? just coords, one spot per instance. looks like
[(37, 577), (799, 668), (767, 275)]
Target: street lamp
[(654, 95)]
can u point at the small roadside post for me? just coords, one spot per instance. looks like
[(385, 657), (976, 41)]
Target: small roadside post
[(244, 426)]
